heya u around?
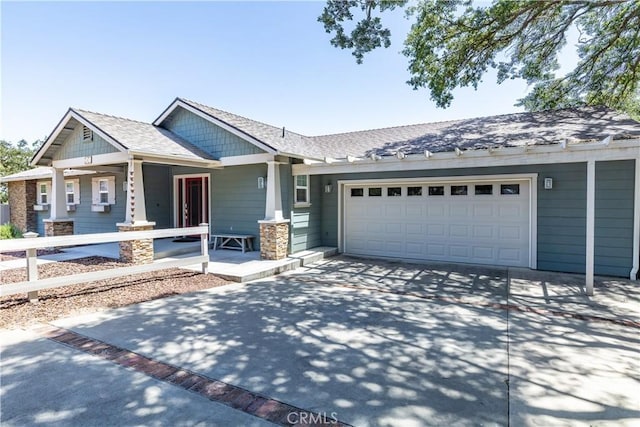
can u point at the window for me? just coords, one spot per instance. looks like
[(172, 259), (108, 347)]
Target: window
[(458, 190), (103, 190), (484, 189), (302, 189), (437, 190), (44, 188), (509, 188), (357, 192), (394, 191), (375, 192), (72, 191), (414, 191), (87, 134)]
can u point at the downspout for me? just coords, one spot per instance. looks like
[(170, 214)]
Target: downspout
[(636, 223)]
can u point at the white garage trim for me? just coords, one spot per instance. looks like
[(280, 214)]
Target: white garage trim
[(532, 179)]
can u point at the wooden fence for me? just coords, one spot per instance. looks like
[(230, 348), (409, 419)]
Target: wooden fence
[(30, 245)]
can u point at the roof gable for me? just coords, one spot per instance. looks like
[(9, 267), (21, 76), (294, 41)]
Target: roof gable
[(124, 135)]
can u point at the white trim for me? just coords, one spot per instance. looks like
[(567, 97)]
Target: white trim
[(215, 121), (60, 127), (532, 178), (590, 227), (174, 160), (90, 161), (636, 224), (248, 159), (538, 154), (204, 190), (306, 188)]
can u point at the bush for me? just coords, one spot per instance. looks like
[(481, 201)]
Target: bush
[(9, 231)]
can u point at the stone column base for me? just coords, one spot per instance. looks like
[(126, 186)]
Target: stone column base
[(274, 239), (136, 251), (58, 227)]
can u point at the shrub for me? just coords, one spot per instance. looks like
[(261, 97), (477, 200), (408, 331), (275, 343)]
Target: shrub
[(9, 231)]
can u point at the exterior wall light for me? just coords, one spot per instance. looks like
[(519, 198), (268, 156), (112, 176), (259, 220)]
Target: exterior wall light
[(261, 182), (548, 183), (328, 188)]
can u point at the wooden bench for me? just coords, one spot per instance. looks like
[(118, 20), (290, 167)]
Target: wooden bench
[(242, 242)]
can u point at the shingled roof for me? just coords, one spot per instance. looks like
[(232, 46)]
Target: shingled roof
[(575, 125), (510, 130), (143, 137)]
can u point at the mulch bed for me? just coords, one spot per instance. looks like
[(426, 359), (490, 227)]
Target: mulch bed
[(10, 256), (16, 311)]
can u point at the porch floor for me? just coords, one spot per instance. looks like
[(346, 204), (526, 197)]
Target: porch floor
[(229, 264)]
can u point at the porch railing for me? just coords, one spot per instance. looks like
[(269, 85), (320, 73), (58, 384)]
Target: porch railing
[(30, 245)]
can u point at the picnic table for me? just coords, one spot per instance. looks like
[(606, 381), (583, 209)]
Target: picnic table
[(243, 242)]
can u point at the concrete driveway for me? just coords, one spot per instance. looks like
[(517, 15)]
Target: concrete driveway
[(367, 343)]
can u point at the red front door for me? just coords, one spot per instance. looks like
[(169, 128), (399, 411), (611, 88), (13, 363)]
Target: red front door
[(193, 201)]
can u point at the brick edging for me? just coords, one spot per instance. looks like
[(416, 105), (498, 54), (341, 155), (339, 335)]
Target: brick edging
[(238, 398)]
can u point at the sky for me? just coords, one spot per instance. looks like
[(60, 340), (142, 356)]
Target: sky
[(269, 61)]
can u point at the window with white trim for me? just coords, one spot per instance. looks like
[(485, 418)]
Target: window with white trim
[(302, 190), (103, 190), (72, 191), (44, 189)]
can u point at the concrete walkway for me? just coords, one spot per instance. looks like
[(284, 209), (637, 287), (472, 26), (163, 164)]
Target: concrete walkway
[(368, 343)]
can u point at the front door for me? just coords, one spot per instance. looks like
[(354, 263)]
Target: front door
[(192, 200)]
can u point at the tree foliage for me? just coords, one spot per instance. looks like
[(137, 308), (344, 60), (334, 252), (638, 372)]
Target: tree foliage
[(13, 159), (453, 43)]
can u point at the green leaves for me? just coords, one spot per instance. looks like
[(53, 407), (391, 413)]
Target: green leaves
[(14, 158), (453, 43), (368, 33)]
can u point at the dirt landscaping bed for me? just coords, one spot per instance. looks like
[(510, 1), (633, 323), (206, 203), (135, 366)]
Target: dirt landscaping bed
[(16, 311)]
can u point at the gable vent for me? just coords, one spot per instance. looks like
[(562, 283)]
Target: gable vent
[(87, 134)]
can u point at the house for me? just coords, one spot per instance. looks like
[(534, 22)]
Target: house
[(557, 190)]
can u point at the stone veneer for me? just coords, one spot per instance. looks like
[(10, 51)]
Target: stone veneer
[(274, 239), (22, 197), (58, 227), (136, 251)]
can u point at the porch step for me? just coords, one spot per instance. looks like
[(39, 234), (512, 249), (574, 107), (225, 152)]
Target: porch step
[(254, 270)]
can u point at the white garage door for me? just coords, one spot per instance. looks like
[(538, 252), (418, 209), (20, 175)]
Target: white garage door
[(480, 222)]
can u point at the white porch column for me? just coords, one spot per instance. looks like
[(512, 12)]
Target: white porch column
[(591, 221), (636, 222), (136, 208), (58, 195), (273, 206)]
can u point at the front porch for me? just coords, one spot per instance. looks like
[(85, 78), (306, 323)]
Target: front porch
[(228, 264)]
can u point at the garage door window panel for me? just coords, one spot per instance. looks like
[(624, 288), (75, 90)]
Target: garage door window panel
[(458, 190), (482, 190), (394, 191), (357, 192), (414, 191), (510, 189), (437, 190), (375, 192)]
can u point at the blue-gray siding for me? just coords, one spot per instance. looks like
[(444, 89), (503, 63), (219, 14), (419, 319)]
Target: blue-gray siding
[(158, 189), (85, 221), (305, 221), (74, 146), (561, 212), (237, 204), (211, 138)]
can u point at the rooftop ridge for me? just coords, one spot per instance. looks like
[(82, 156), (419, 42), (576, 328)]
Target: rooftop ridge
[(81, 110), (188, 101), (439, 122)]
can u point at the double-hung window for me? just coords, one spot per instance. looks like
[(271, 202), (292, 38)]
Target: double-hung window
[(103, 190), (302, 190), (72, 191), (43, 193)]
